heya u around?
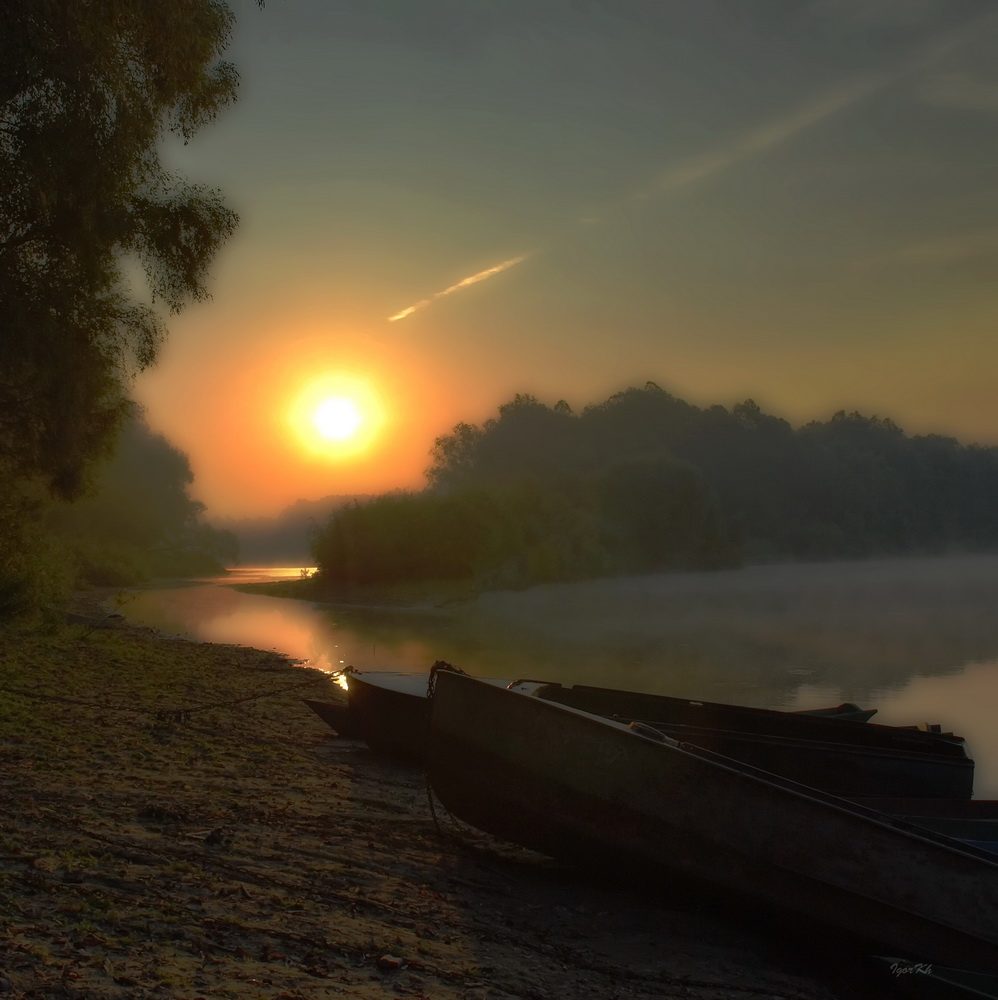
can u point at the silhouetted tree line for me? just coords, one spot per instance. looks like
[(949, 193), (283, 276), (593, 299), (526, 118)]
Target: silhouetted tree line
[(139, 522), (136, 522), (646, 481), (284, 540)]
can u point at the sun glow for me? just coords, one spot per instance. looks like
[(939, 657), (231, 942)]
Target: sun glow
[(337, 418), (336, 415)]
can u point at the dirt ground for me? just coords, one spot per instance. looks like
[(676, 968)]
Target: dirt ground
[(175, 823)]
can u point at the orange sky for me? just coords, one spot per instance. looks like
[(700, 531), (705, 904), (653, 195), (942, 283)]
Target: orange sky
[(794, 204)]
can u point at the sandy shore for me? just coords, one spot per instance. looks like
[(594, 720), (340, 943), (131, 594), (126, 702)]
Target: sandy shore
[(177, 824)]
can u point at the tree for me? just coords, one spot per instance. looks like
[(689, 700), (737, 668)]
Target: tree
[(87, 90), (140, 522)]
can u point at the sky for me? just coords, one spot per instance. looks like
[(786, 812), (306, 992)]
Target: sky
[(447, 202)]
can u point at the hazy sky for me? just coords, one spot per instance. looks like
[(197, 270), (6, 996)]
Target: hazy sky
[(794, 201)]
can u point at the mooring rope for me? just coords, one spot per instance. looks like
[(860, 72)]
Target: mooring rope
[(160, 714)]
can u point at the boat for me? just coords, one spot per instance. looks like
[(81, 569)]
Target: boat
[(336, 715), (386, 709), (390, 712), (837, 754), (584, 788), (708, 714)]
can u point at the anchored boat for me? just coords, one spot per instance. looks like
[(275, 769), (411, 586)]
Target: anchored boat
[(390, 712), (576, 785)]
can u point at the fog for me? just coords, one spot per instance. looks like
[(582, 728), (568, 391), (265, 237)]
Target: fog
[(917, 639), (860, 626)]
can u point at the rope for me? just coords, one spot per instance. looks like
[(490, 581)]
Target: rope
[(166, 715)]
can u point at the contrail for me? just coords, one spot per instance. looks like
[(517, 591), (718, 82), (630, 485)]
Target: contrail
[(463, 283), (843, 96), (772, 134)]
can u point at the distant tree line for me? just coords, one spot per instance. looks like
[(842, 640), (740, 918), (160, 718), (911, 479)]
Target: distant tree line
[(284, 540), (140, 522), (135, 522), (648, 482)]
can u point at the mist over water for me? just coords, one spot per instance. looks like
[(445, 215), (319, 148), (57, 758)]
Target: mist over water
[(915, 638)]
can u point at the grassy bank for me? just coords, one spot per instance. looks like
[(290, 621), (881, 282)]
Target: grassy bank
[(176, 824)]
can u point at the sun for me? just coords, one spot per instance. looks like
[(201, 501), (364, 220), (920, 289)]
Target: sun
[(335, 415), (337, 418)]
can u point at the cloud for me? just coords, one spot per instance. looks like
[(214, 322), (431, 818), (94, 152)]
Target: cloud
[(769, 135), (409, 310), (785, 127), (463, 283), (838, 98), (959, 91)]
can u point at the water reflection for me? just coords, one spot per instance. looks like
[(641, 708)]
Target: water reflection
[(916, 638), (215, 613)]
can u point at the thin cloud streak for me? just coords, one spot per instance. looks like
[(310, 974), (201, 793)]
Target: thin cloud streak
[(463, 283), (767, 136), (845, 95), (770, 135)]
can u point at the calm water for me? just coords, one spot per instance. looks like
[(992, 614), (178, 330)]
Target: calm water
[(918, 638)]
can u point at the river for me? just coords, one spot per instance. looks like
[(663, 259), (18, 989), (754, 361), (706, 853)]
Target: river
[(915, 638)]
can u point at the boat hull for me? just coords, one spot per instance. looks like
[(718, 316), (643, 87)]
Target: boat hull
[(336, 716), (390, 712), (580, 787), (840, 768), (823, 725), (841, 756)]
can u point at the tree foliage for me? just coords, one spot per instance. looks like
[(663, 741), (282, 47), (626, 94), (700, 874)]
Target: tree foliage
[(513, 535), (645, 482), (87, 91), (139, 521), (850, 486)]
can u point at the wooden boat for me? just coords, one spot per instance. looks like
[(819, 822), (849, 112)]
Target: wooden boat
[(336, 715), (386, 709), (613, 702), (582, 787), (838, 755), (389, 711)]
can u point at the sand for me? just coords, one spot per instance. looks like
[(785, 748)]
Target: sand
[(176, 823)]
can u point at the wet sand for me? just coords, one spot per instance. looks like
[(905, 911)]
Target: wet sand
[(176, 823)]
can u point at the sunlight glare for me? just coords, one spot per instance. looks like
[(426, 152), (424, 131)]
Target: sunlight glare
[(336, 415), (337, 418)]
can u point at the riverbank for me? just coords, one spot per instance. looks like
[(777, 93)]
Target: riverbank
[(177, 824)]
